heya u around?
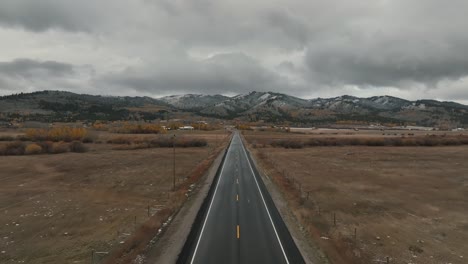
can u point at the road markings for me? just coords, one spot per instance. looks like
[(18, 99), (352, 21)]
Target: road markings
[(237, 180), (238, 232), (237, 198), (209, 208), (264, 203)]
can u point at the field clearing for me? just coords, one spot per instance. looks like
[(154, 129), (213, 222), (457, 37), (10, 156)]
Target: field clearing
[(406, 203), (58, 208)]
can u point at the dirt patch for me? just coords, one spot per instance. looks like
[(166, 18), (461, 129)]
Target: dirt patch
[(405, 203)]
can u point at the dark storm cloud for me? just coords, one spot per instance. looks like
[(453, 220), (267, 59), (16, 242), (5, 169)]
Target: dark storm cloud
[(294, 28), (41, 15), (223, 73), (419, 42), (315, 47), (27, 68), (28, 75), (387, 62)]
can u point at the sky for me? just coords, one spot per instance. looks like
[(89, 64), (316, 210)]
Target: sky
[(411, 49)]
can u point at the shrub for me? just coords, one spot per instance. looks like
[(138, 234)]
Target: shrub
[(121, 140), (35, 135), (88, 139), (22, 138), (100, 126), (47, 146), (377, 142), (429, 141), (162, 142), (67, 134), (187, 143), (77, 146), (450, 141), (6, 138), (294, 144), (158, 142), (59, 147), (57, 134), (32, 149), (372, 141), (14, 148), (140, 129)]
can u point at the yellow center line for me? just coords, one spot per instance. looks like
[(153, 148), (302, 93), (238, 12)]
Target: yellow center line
[(238, 232)]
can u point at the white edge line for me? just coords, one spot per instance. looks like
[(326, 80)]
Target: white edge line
[(209, 208), (264, 203)]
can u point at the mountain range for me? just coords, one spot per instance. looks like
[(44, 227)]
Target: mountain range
[(252, 107)]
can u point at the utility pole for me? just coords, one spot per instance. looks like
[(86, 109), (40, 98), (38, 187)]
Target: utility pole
[(173, 163)]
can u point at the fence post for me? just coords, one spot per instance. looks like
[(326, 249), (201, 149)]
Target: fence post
[(334, 219)]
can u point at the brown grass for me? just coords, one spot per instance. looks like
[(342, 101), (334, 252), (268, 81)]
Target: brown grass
[(138, 242), (408, 203), (156, 142), (68, 205), (426, 141)]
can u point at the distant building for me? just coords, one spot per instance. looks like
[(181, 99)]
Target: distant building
[(418, 128), (5, 124), (186, 128)]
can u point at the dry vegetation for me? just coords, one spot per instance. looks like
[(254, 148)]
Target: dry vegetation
[(64, 133), (139, 129), (131, 142), (42, 147), (46, 141), (59, 208), (407, 203), (409, 139)]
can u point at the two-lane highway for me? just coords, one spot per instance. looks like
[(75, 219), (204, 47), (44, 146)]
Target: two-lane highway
[(241, 224)]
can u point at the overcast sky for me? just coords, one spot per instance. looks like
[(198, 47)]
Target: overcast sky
[(310, 48)]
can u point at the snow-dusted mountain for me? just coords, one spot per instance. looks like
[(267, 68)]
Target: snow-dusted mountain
[(193, 101), (277, 107), (253, 106), (350, 104), (253, 102)]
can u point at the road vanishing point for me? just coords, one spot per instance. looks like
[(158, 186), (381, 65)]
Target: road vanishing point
[(239, 223)]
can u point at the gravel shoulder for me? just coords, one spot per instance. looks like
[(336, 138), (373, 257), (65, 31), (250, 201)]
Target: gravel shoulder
[(167, 248), (309, 250)]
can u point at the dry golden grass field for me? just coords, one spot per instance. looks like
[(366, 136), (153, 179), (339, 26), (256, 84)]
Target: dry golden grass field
[(407, 203), (58, 208)]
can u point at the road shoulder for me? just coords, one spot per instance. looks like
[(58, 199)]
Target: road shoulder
[(310, 252), (167, 248)]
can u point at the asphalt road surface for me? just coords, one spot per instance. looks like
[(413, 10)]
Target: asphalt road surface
[(241, 223)]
